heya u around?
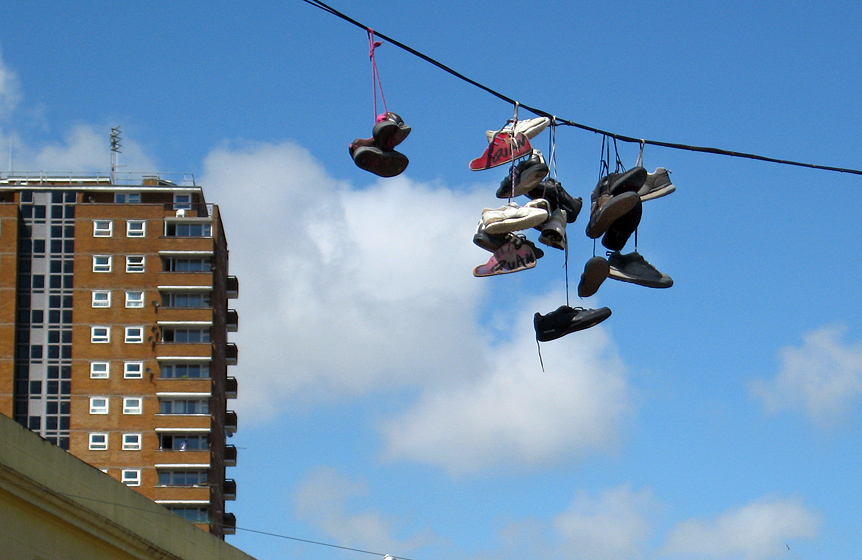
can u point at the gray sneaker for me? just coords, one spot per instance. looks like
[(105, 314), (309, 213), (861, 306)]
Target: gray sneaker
[(528, 174), (635, 269), (656, 185), (595, 273), (554, 230)]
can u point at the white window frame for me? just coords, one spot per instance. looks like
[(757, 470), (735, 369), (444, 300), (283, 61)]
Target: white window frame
[(100, 405), (131, 336), (127, 198), (131, 477), (96, 336), (96, 445), (100, 370), (107, 229), (102, 263), (98, 300), (135, 263), (133, 370), (140, 229), (132, 442), (134, 302), (133, 405)]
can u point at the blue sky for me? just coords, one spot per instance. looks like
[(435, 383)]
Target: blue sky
[(393, 403)]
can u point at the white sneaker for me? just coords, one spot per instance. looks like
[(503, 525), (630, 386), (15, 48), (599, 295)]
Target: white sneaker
[(529, 127), (513, 218)]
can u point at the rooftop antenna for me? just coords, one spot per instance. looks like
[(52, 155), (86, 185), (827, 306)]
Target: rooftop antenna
[(115, 150)]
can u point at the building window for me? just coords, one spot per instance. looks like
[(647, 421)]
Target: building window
[(134, 299), (182, 201), (190, 336), (101, 298), (134, 335), (185, 371), (101, 263), (193, 514), (183, 299), (183, 442), (133, 405), (174, 229), (100, 335), (127, 198), (184, 406), (136, 228), (133, 370), (131, 442), (131, 477), (135, 263), (183, 478), (98, 405), (103, 228), (98, 442), (202, 264), (100, 370)]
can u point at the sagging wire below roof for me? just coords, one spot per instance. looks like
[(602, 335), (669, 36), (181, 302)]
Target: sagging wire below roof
[(558, 121), (172, 515)]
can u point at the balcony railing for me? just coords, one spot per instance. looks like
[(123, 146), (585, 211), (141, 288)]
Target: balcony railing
[(230, 422), (232, 320), (230, 388), (231, 354), (232, 287), (229, 524), (229, 489), (230, 456)]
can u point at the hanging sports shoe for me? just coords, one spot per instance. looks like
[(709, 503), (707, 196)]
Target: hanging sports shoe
[(527, 174), (553, 191), (528, 127), (623, 227), (385, 163), (565, 320), (635, 269), (389, 131), (512, 217), (504, 148), (606, 209), (656, 185), (596, 271), (554, 230), (513, 256), (487, 241), (631, 180)]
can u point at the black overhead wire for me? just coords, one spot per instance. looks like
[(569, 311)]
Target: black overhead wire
[(558, 121)]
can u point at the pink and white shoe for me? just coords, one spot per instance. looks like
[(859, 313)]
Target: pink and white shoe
[(513, 256)]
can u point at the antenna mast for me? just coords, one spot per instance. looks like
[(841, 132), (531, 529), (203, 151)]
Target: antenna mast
[(115, 150)]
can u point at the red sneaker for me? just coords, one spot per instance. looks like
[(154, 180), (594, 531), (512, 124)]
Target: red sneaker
[(504, 149)]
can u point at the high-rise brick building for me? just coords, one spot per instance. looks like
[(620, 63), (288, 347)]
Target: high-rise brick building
[(114, 325)]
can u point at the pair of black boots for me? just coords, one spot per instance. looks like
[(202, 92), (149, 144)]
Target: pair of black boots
[(377, 154)]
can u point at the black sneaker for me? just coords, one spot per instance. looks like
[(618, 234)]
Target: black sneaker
[(552, 191), (528, 174), (385, 163), (389, 131), (623, 227), (635, 269), (565, 320)]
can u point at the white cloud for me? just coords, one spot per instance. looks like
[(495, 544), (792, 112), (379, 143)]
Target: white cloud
[(823, 377), (327, 499), (516, 414), (758, 530), (10, 90), (352, 291), (614, 526)]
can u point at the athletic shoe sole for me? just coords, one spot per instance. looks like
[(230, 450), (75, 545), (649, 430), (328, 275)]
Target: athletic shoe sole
[(596, 271)]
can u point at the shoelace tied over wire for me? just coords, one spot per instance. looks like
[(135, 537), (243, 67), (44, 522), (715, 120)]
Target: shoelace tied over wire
[(566, 122)]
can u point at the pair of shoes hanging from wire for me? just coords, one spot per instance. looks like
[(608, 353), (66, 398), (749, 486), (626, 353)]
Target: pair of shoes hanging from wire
[(615, 215), (377, 154)]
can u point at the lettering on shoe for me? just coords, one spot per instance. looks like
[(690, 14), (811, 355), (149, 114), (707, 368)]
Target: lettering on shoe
[(503, 149)]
